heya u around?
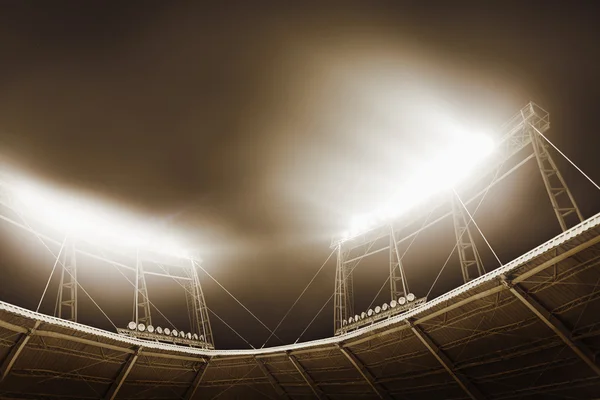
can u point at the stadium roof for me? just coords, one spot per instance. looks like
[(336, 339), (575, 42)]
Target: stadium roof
[(529, 329)]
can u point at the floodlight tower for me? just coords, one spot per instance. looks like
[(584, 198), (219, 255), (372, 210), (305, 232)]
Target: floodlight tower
[(187, 275), (67, 289), (526, 127), (398, 284), (562, 200), (197, 309), (471, 265), (141, 306), (343, 298)]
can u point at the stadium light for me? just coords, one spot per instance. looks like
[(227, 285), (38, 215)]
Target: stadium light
[(450, 167), (91, 222)]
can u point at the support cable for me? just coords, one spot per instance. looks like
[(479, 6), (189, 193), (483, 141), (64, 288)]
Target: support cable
[(208, 308), (468, 223), (239, 302), (234, 383), (477, 226), (132, 284), (61, 263), (298, 299), (402, 257), (315, 317), (441, 270), (327, 302), (566, 158), (62, 247), (229, 326)]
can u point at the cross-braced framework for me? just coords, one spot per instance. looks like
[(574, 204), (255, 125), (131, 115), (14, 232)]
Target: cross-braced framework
[(344, 285), (182, 270), (67, 290), (471, 265), (141, 304), (197, 309), (525, 128)]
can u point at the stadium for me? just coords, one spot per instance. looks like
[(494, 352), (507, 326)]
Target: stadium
[(127, 310)]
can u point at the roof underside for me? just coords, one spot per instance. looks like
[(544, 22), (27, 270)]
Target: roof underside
[(534, 338)]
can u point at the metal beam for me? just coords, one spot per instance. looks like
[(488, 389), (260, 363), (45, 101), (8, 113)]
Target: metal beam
[(280, 392), (448, 365), (364, 372), (16, 350), (189, 393), (553, 180), (440, 218), (182, 278), (552, 322), (71, 338), (125, 370), (557, 259), (309, 381)]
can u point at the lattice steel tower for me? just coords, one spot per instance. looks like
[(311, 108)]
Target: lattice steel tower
[(526, 127), (67, 289)]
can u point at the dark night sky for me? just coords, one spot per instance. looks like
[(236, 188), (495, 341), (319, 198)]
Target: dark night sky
[(260, 130)]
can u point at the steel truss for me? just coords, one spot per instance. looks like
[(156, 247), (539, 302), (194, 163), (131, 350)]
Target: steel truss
[(397, 277), (561, 198), (343, 296), (471, 265), (67, 289), (142, 301), (197, 309), (523, 129)]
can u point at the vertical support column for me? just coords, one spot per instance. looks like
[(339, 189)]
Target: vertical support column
[(397, 278), (197, 308), (471, 265), (280, 392), (142, 302), (189, 393), (552, 322), (67, 291), (364, 372), (15, 351), (113, 390), (443, 359), (307, 378), (561, 198), (343, 298)]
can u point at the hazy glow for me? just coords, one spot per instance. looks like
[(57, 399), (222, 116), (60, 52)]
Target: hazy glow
[(93, 223), (451, 166)]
